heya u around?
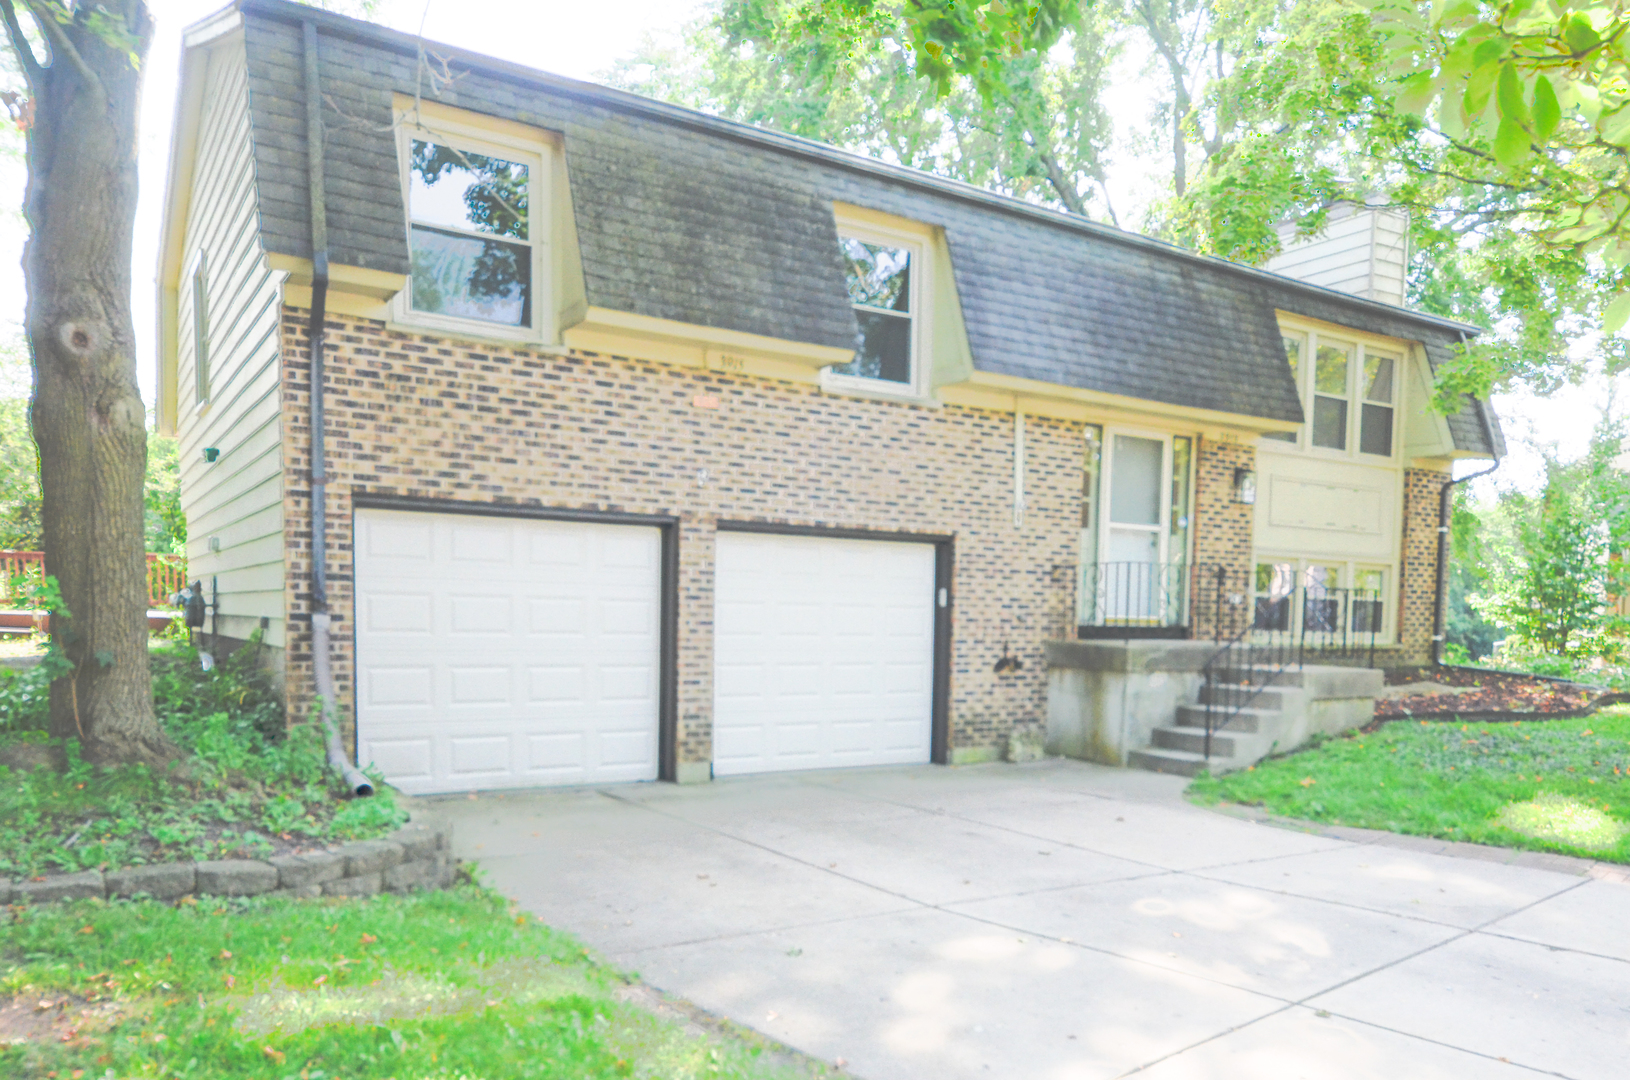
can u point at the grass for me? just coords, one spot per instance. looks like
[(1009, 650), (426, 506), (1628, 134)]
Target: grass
[(245, 788), (433, 986), (1552, 785)]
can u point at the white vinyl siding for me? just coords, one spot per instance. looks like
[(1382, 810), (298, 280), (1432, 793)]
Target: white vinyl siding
[(238, 498)]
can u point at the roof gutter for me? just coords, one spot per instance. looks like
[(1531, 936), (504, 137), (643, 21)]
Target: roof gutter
[(322, 665), (1440, 597)]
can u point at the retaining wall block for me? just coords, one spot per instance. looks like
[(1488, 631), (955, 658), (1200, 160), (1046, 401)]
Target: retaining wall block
[(161, 881), (369, 856), (80, 886), (314, 868), (408, 876), (236, 877), (360, 885), (419, 841)]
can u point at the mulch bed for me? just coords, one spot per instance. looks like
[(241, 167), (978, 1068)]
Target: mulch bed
[(1489, 695)]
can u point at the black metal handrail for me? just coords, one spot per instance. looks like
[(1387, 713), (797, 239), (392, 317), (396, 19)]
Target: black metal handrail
[(1334, 624), (1248, 664)]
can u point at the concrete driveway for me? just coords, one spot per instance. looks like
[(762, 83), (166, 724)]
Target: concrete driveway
[(1060, 920)]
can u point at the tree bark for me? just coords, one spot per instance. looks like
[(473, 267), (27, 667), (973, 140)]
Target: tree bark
[(87, 412)]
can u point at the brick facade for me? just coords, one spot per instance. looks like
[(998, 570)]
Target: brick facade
[(1223, 530), (1418, 577), (413, 415)]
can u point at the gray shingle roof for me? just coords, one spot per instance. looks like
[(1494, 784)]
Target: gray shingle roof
[(687, 217)]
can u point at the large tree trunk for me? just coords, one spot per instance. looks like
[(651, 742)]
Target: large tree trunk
[(87, 411)]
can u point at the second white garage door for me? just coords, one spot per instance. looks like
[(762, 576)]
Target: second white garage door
[(823, 653), (503, 652)]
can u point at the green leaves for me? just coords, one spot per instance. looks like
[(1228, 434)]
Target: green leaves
[(1617, 313), (1547, 110)]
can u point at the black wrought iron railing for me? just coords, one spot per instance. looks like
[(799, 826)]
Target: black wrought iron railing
[(1133, 597), (1286, 629)]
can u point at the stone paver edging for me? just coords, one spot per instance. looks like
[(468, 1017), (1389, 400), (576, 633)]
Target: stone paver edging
[(416, 856)]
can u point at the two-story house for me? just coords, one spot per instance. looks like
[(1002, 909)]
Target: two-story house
[(655, 445)]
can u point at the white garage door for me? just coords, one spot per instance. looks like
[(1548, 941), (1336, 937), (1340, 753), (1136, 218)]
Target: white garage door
[(504, 652), (824, 653)]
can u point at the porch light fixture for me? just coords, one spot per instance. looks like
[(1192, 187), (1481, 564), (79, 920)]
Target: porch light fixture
[(1245, 485), (211, 453)]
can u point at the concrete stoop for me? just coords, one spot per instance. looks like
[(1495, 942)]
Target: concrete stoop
[(1253, 721)]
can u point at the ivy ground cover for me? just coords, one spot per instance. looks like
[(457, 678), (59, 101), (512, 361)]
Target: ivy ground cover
[(1553, 785), (430, 986), (245, 787)]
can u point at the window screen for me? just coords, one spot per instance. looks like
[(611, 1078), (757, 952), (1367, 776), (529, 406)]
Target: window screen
[(1375, 420)]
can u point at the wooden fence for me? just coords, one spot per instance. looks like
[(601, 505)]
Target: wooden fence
[(166, 574)]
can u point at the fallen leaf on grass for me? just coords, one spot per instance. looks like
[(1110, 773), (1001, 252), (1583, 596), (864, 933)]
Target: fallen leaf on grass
[(277, 1056), (1308, 781)]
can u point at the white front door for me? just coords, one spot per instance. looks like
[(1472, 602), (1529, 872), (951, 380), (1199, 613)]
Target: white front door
[(823, 653), (1134, 542), (505, 652)]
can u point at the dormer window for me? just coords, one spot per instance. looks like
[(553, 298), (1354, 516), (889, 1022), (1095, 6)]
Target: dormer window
[(879, 280), (885, 270), (471, 242), (477, 207)]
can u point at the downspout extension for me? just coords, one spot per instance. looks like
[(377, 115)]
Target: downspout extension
[(1440, 594), (322, 665)]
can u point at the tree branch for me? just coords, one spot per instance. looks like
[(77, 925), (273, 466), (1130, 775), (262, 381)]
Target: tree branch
[(63, 44), (1066, 191), (32, 71)]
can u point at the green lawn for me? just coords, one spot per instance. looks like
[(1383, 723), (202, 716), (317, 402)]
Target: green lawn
[(1551, 785), (434, 986)]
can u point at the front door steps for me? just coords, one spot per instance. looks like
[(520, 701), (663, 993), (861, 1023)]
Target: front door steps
[(1251, 722)]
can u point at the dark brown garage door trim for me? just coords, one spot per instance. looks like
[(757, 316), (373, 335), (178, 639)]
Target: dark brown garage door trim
[(668, 528), (944, 597)]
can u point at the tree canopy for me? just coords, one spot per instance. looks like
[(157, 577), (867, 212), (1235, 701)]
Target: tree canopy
[(1262, 111)]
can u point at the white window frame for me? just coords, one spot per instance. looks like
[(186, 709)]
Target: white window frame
[(918, 243), (536, 155), (197, 282), (1349, 570), (1310, 337)]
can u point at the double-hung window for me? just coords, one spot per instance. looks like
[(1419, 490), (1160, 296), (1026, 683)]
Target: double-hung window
[(1330, 367), (1375, 420), (477, 219), (1337, 599), (884, 271)]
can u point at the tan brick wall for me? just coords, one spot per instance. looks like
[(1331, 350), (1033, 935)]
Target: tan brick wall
[(1417, 579), (418, 416), (1222, 537)]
